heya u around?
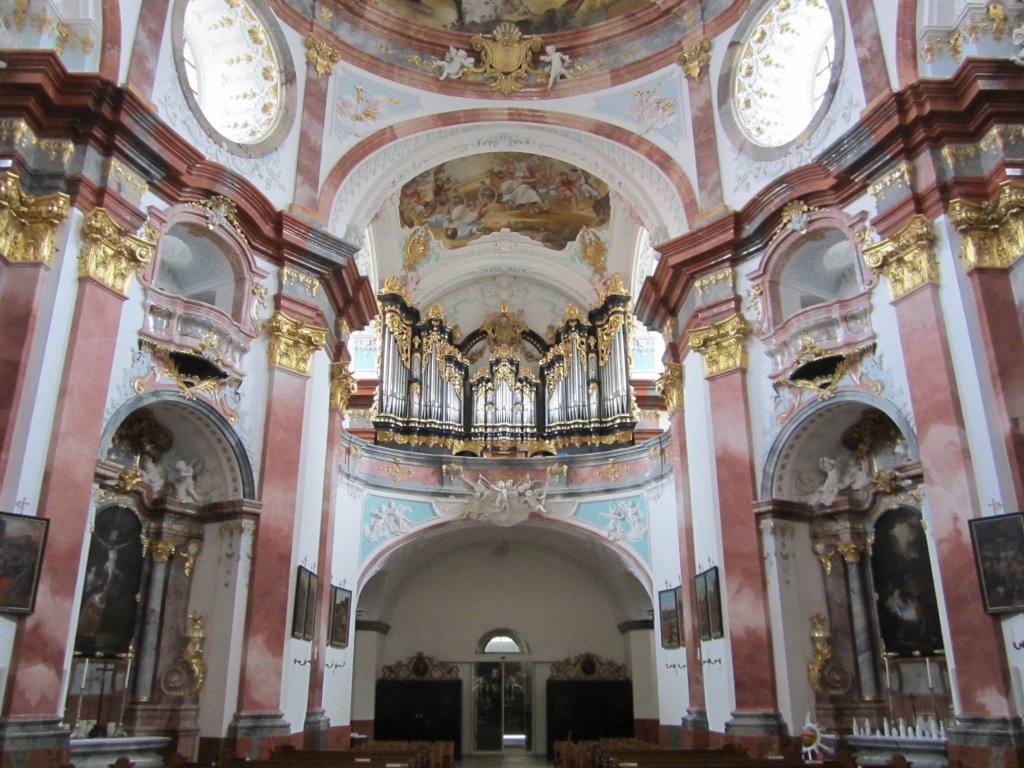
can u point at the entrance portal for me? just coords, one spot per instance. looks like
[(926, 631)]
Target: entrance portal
[(502, 711)]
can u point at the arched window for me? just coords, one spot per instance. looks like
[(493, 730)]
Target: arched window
[(503, 642), (784, 71)]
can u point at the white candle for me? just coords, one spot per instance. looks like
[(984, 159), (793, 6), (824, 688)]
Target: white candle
[(888, 683), (928, 671), (128, 673), (85, 671)]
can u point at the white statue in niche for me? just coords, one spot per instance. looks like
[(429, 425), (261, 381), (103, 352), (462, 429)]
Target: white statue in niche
[(185, 483), (454, 62), (829, 489), (557, 64), (1018, 39), (857, 474), (152, 472)]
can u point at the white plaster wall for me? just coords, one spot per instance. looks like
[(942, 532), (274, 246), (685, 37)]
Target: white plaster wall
[(306, 533), (366, 663), (644, 673), (707, 535)]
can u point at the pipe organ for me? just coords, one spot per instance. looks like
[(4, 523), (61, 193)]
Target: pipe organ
[(579, 396)]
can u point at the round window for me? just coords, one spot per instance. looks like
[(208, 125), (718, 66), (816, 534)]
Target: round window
[(784, 71), (232, 71)]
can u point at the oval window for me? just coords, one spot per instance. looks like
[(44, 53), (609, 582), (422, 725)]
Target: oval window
[(784, 71)]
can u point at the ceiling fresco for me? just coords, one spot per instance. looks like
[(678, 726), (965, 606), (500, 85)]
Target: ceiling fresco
[(534, 17), (542, 198)]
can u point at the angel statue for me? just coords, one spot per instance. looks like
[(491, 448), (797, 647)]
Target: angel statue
[(1018, 39), (557, 64), (454, 62)]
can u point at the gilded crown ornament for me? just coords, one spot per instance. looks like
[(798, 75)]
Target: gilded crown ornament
[(506, 56)]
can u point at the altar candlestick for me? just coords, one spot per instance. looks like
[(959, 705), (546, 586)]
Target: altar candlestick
[(888, 682), (85, 671), (928, 671)]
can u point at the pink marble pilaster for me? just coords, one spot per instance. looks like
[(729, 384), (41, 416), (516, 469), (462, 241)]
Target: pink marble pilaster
[(980, 666), (867, 41), (20, 287), (311, 140), (742, 572), (1004, 350), (34, 680), (687, 565), (269, 614), (149, 35), (705, 138)]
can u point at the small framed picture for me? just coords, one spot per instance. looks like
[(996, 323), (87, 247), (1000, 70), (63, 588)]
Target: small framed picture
[(668, 611), (22, 540), (703, 615), (304, 611), (341, 610), (709, 605), (999, 556)]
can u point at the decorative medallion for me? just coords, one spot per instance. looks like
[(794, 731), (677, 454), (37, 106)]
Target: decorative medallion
[(506, 56), (420, 667), (588, 666)]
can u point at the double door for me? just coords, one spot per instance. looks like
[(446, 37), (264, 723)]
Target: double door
[(502, 706)]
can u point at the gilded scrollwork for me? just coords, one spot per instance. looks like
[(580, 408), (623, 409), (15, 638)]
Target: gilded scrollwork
[(29, 224), (110, 253), (823, 676), (187, 678), (992, 233), (670, 386), (343, 386), (321, 55), (906, 259), (721, 344), (695, 58), (506, 56), (292, 342)]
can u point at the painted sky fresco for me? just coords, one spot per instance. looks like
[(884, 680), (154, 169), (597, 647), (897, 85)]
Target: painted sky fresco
[(537, 17), (540, 197)]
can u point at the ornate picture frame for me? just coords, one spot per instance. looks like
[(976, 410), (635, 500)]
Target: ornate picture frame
[(341, 617), (670, 617), (22, 542), (304, 610), (998, 543), (709, 605)]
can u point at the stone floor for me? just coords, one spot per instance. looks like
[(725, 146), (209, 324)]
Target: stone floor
[(516, 758)]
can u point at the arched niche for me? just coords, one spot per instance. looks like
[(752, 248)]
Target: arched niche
[(169, 429)]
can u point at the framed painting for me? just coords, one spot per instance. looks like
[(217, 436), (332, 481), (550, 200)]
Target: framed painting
[(304, 611), (341, 609), (22, 540), (999, 555), (703, 613), (668, 611), (716, 628)]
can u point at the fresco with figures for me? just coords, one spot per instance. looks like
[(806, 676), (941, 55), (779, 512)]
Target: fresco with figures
[(536, 17), (540, 197)]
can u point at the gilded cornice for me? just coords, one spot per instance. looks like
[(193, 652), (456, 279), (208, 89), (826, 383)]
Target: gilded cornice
[(28, 224), (343, 386), (721, 344), (992, 233), (906, 258), (670, 386), (110, 253), (292, 342), (321, 55)]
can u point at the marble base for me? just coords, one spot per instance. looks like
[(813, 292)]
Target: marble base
[(315, 729), (255, 734), (756, 724), (878, 750), (23, 735), (999, 732), (695, 720), (143, 751)]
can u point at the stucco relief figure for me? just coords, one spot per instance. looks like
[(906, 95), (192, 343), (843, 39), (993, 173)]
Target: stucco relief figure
[(829, 489), (185, 483), (557, 64), (153, 473), (454, 62), (386, 521), (626, 521), (503, 502), (857, 474), (1018, 39)]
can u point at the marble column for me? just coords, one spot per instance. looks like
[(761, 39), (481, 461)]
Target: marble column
[(33, 705), (343, 385), (990, 245), (152, 620), (149, 37), (863, 647), (296, 332), (985, 715), (27, 247), (744, 599), (705, 136), (320, 61), (867, 41), (695, 724)]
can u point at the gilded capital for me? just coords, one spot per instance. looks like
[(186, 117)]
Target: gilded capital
[(321, 55), (28, 224), (292, 342), (110, 253), (162, 551), (906, 258), (991, 234), (721, 344), (343, 386), (670, 386)]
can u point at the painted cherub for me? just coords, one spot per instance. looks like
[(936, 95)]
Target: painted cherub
[(454, 62), (557, 64)]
